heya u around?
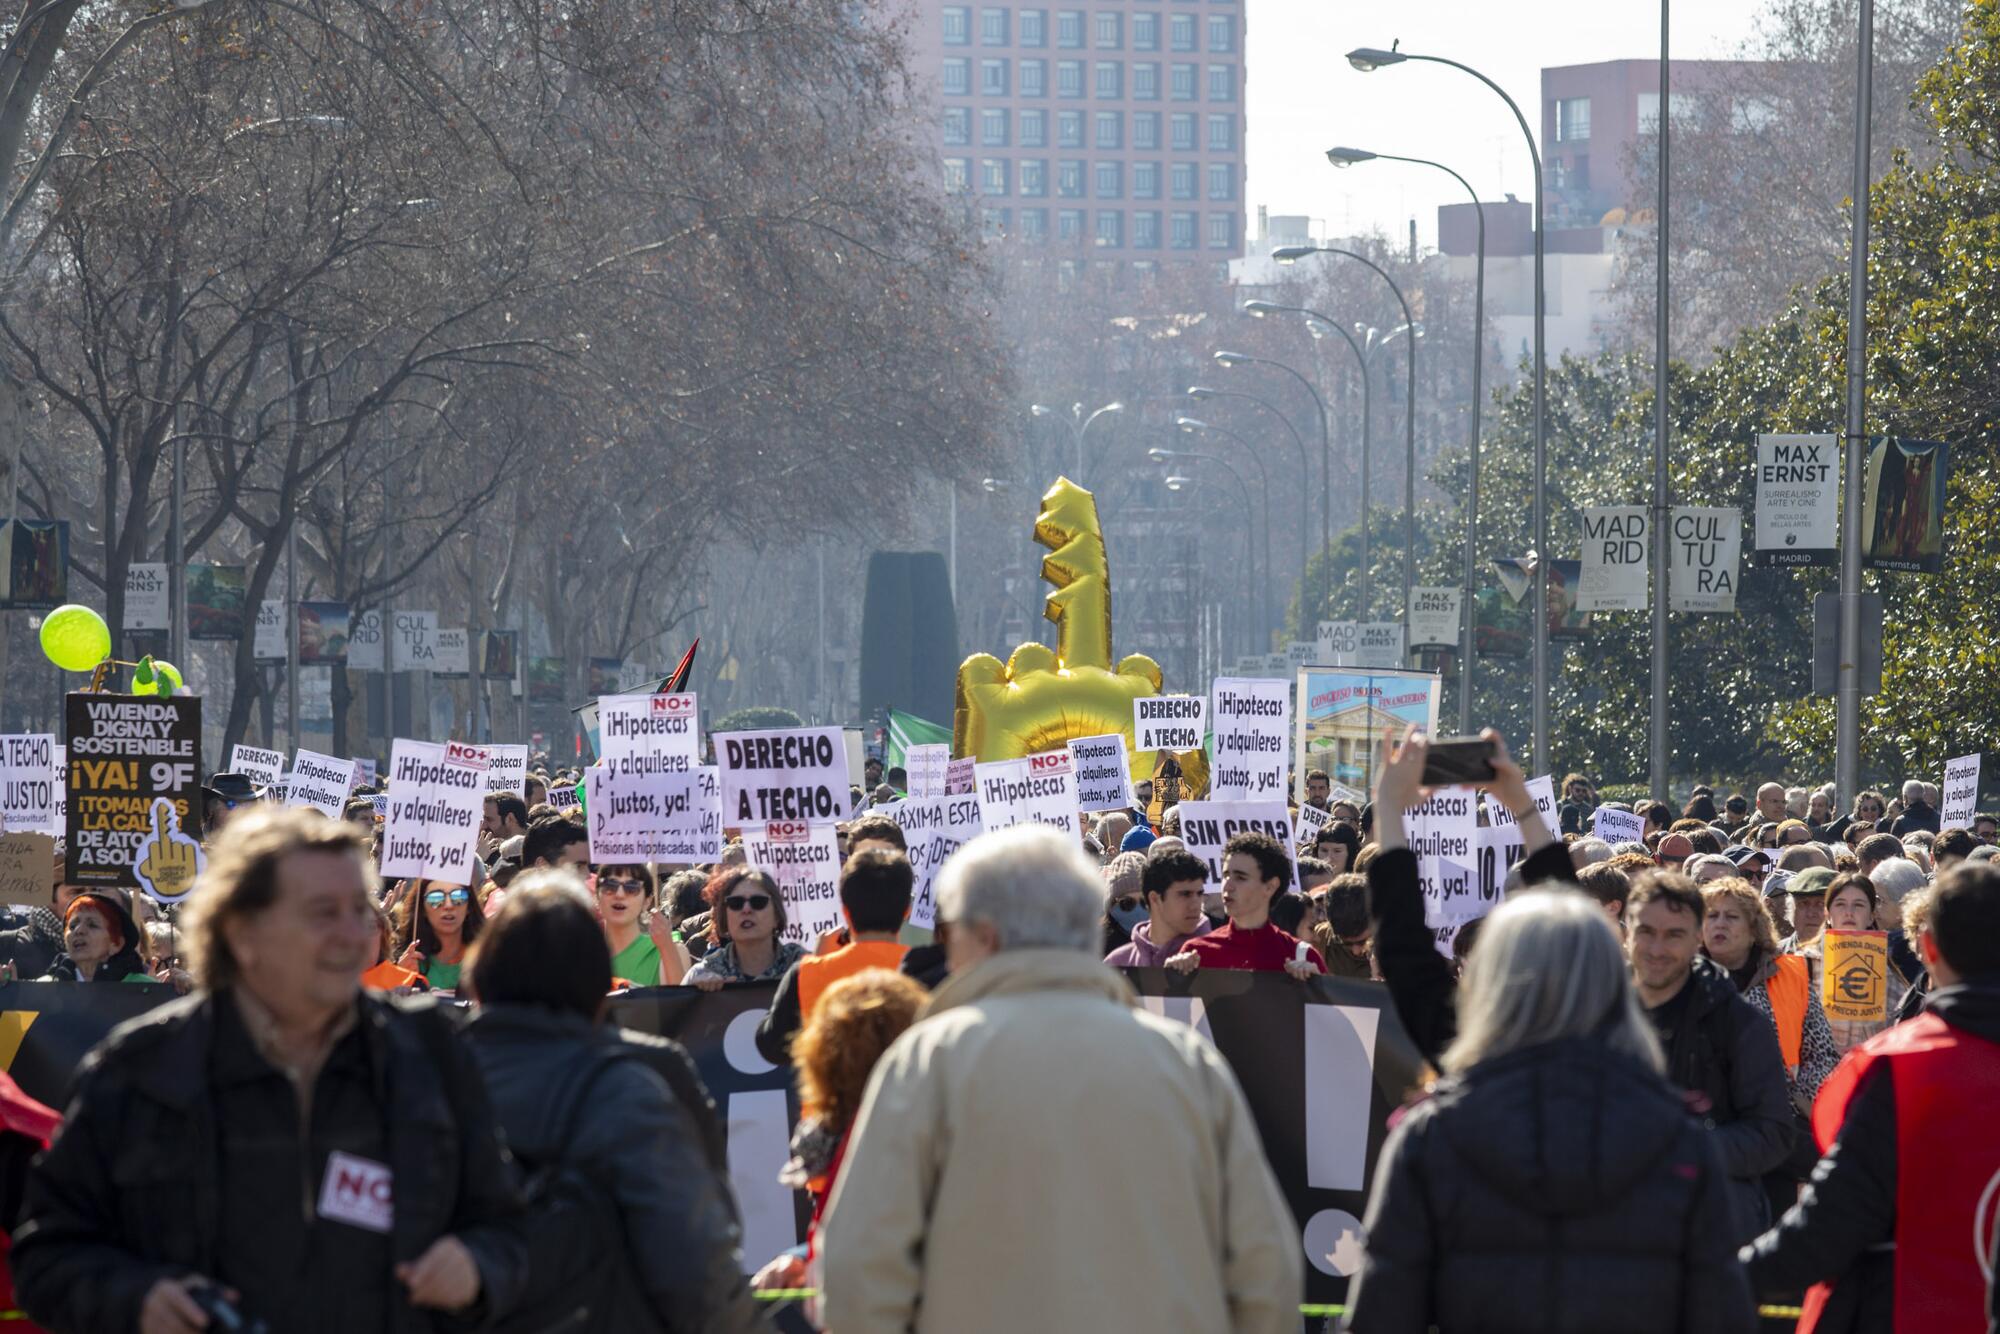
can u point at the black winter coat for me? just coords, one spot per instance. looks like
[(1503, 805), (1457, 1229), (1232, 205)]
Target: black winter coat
[(1559, 1189), (130, 1191), (636, 1141)]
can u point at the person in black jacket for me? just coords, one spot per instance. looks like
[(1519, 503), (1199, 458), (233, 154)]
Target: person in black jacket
[(569, 1090), (1554, 1182), (324, 1153)]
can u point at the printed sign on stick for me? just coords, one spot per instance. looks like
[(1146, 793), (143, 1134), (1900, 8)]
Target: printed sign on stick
[(126, 752), (1169, 722), (785, 774), (1103, 774), (1960, 796), (1253, 739)]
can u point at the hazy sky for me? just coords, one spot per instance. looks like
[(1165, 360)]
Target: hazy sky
[(1304, 97)]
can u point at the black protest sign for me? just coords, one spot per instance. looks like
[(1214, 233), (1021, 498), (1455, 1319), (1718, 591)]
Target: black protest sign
[(126, 751)]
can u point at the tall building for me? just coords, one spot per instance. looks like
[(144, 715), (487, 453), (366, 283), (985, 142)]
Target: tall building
[(1114, 130)]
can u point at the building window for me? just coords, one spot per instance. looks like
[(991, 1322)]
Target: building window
[(1110, 30), (1034, 78), (1110, 227), (1181, 234), (1110, 80), (1183, 81), (993, 222), (957, 25), (1146, 230), (993, 78), (1221, 180), (1221, 133), (1182, 131), (1569, 173), (958, 76), (1069, 129), (1110, 180), (1035, 224), (1110, 129), (1146, 180), (1069, 28), (957, 125), (993, 176), (1034, 178), (1182, 180), (1069, 78), (1146, 129), (1069, 180), (1145, 32), (1221, 230), (957, 175), (1034, 129), (1573, 119), (1222, 83), (993, 27), (1180, 32), (1146, 82), (1069, 224), (993, 127), (1221, 33), (1685, 107), (1034, 27)]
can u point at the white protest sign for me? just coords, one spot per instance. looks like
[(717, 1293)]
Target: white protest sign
[(1960, 797), (454, 651), (804, 858), (1253, 735), (507, 769), (1704, 544), (1441, 832), (62, 788), (934, 828), (1306, 826), (1378, 644), (1103, 773), (786, 774), (960, 777), (1613, 576), (1169, 722), (266, 767), (28, 783), (661, 733), (1615, 826), (437, 795), (320, 781), (413, 641), (1207, 827), (1434, 616), (1500, 846), (146, 603), (1798, 499), (1338, 643), (638, 816), (1035, 789), (1543, 790), (267, 643), (364, 641), (926, 766)]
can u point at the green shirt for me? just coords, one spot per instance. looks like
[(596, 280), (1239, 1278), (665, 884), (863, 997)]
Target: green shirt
[(441, 975), (639, 962)]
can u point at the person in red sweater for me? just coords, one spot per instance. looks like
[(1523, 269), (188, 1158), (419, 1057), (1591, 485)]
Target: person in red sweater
[(1255, 870)]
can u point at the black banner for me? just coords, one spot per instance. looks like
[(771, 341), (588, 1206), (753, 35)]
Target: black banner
[(124, 752), (1322, 1064)]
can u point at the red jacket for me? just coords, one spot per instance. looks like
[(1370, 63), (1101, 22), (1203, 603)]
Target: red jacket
[(26, 1127)]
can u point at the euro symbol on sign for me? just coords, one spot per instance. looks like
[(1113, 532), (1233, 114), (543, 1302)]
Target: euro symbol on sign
[(1857, 981)]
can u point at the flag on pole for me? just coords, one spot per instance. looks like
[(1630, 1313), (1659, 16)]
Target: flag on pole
[(906, 730)]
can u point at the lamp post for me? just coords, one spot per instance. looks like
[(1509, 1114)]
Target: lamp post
[(1078, 424), (1847, 686), (1289, 254), (1368, 59), (1229, 360), (1315, 322), (1190, 426), (1345, 157), (1178, 482), (1201, 393)]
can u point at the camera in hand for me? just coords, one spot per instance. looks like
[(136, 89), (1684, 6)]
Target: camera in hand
[(222, 1313), (1455, 760)]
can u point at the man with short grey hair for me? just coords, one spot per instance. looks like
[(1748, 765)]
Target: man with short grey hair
[(933, 1225), (1919, 809), (1589, 851), (1894, 880)]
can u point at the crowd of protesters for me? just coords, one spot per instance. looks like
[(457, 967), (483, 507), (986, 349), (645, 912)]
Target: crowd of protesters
[(1643, 1116)]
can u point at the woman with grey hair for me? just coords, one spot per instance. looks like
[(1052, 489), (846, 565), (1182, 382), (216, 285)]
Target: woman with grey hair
[(1555, 1149)]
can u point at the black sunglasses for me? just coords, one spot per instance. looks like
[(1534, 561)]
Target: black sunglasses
[(436, 897), (753, 902), (613, 885)]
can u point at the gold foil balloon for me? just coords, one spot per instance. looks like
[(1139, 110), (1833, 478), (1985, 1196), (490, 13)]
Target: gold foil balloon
[(1041, 698)]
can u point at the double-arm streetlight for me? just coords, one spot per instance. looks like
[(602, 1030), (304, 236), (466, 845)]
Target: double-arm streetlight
[(1368, 59), (1203, 393), (1346, 157), (1194, 426), (1290, 254), (1229, 360), (1079, 425), (1176, 482)]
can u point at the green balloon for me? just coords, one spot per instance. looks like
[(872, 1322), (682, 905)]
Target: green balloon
[(156, 676), (75, 638)]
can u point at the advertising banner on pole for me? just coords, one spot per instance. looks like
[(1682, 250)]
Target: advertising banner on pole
[(1903, 508), (1798, 499), (1703, 547), (1434, 617), (1615, 538)]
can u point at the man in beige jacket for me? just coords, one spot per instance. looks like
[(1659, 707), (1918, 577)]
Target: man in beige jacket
[(1040, 1154)]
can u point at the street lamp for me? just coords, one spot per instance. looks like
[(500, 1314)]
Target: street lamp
[(1347, 157), (1077, 423), (1291, 254), (1191, 426), (1202, 393), (1367, 59), (1178, 482), (1230, 360)]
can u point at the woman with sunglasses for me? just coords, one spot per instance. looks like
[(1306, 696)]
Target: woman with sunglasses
[(438, 922), (643, 949), (746, 913)]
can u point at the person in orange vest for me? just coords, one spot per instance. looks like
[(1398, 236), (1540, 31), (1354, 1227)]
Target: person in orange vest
[(875, 888), (1738, 933), (1897, 1231)]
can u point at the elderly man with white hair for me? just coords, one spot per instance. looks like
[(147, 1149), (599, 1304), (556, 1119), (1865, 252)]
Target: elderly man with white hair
[(1919, 810), (1036, 1134)]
